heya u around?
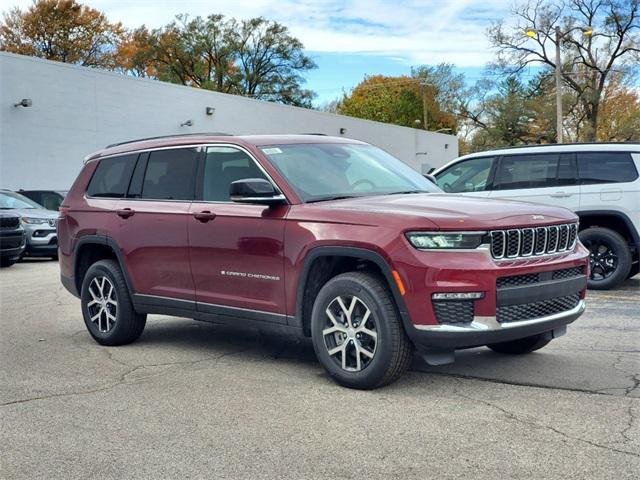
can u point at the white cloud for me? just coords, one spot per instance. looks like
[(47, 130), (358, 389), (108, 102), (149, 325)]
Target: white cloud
[(418, 31)]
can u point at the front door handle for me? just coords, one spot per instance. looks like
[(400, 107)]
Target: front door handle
[(204, 216), (560, 194), (125, 212)]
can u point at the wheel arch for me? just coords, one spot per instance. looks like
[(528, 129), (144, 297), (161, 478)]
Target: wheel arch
[(311, 279), (93, 248), (613, 220)]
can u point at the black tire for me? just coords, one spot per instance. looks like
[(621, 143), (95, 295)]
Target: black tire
[(635, 269), (522, 345), (603, 241), (6, 262), (391, 349), (128, 324)]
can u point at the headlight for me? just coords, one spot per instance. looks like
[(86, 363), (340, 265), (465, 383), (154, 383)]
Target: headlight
[(445, 240), (34, 221)]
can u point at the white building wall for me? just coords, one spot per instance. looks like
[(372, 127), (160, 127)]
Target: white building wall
[(78, 110)]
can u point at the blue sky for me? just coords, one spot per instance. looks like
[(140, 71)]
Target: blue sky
[(347, 39)]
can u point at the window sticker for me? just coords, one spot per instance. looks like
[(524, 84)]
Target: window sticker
[(271, 151)]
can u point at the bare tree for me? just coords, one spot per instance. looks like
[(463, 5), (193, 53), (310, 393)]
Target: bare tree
[(597, 37)]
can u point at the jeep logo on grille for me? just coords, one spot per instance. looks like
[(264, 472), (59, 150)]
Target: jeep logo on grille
[(52, 222)]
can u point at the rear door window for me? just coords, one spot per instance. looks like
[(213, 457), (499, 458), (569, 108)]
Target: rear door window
[(529, 171), (112, 175), (170, 174), (606, 167)]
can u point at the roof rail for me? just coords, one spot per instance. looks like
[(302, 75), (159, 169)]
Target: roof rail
[(527, 145), (215, 134), (314, 133)]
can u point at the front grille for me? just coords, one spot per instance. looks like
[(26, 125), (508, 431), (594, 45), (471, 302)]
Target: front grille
[(453, 311), (531, 278), (528, 311), (568, 273), (9, 222), (528, 242), (11, 242)]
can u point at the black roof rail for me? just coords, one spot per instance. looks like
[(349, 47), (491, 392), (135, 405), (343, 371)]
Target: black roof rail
[(527, 145), (314, 133), (175, 135)]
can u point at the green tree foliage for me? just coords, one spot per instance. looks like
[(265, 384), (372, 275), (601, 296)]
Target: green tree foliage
[(61, 30)]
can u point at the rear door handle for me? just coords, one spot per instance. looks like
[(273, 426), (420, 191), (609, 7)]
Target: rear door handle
[(125, 212), (560, 194), (204, 216)]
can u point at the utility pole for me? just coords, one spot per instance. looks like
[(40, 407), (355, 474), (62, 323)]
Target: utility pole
[(425, 106), (558, 86)]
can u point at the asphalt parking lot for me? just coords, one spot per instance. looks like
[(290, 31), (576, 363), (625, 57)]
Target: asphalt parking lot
[(196, 400)]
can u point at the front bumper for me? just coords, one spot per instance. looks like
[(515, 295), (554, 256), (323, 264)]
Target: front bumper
[(487, 330), (12, 244), (42, 241)]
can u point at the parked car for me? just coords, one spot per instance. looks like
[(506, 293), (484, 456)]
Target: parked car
[(12, 239), (599, 182), (322, 237), (39, 224), (48, 199)]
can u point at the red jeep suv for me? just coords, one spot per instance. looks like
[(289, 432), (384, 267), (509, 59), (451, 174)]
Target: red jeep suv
[(323, 237)]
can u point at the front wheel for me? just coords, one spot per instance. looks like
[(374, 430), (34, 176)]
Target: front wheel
[(609, 257), (6, 262), (522, 345), (106, 306), (357, 333)]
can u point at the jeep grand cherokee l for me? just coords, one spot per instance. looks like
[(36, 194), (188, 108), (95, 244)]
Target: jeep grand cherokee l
[(323, 237)]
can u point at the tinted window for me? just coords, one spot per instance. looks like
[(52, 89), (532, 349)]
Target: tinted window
[(224, 165), (111, 178), (606, 167), (468, 176), (527, 171), (170, 174)]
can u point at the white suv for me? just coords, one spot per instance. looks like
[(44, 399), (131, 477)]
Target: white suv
[(600, 182)]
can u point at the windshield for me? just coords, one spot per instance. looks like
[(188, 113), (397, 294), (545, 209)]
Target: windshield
[(10, 200), (327, 171)]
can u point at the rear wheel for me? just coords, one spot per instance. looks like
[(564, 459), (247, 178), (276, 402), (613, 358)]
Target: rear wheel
[(357, 333), (609, 257), (106, 306), (522, 345)]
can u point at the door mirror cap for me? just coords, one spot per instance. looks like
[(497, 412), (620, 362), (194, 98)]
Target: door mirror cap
[(256, 191)]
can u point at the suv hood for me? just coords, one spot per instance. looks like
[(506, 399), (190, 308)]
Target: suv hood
[(457, 212), (34, 212)]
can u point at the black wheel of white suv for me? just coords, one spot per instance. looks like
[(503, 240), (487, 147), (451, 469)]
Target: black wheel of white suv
[(357, 333), (106, 306), (609, 257)]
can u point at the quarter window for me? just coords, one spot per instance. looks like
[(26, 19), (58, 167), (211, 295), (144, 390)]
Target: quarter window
[(111, 178), (170, 174), (606, 167), (224, 165)]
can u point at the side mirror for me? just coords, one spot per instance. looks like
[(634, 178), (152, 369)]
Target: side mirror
[(431, 178), (255, 190)]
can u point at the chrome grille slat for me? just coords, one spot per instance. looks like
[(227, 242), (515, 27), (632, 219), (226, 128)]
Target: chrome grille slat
[(532, 242)]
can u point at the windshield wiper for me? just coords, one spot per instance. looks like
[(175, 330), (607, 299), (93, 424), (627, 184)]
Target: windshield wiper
[(336, 197), (407, 192)]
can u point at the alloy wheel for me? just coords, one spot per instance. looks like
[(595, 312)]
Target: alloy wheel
[(103, 306), (603, 260), (350, 334)]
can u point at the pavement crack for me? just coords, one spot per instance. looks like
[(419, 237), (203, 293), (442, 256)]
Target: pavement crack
[(524, 421), (123, 378)]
